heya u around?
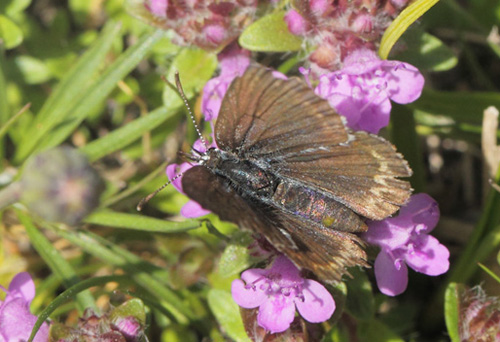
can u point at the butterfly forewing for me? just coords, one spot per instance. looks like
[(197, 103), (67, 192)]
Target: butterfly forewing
[(303, 138), (288, 169), (266, 116)]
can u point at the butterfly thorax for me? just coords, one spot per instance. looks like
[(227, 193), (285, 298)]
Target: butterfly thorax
[(244, 175)]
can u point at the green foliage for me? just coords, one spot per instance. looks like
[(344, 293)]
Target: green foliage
[(88, 74), (270, 33)]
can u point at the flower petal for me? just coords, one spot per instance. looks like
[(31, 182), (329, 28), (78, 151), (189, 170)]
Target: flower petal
[(431, 257), (374, 116), (253, 275), (16, 322), (173, 170), (404, 82), (421, 209), (317, 305), (390, 280), (193, 209), (386, 234), (247, 297), (22, 286), (276, 313)]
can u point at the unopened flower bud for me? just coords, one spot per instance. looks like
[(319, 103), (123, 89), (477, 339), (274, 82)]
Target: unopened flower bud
[(60, 185), (124, 323)]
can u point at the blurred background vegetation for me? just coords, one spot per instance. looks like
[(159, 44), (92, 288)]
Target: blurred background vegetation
[(90, 74)]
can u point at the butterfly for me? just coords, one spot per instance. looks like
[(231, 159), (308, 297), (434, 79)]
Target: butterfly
[(287, 168)]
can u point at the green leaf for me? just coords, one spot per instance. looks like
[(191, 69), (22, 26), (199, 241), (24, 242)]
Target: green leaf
[(406, 139), (195, 67), (401, 23), (69, 90), (426, 52), (13, 7), (140, 222), (55, 261), (236, 256), (101, 89), (360, 302), (270, 33), (452, 310), (227, 313), (460, 106), (34, 71), (138, 269), (124, 136), (70, 293), (10, 34), (376, 331)]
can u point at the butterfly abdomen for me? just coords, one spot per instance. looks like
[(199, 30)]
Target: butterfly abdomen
[(317, 207)]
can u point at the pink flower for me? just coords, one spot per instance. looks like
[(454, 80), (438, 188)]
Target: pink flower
[(16, 321), (295, 22), (157, 7), (361, 91), (210, 25), (191, 209), (277, 291), (405, 240), (233, 62)]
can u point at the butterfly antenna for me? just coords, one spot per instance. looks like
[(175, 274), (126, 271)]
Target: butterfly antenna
[(183, 96), (146, 199)]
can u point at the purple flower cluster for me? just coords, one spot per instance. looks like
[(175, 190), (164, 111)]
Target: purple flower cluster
[(210, 25), (233, 61), (191, 209), (405, 240), (341, 27), (361, 91), (278, 291), (16, 320)]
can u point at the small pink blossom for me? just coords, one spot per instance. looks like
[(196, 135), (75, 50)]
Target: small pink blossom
[(405, 240), (296, 23), (233, 62), (277, 291), (191, 209), (361, 91), (157, 7), (16, 320)]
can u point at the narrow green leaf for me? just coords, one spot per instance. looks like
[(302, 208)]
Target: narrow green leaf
[(71, 292), (140, 222), (460, 106), (490, 272), (4, 102), (10, 34), (360, 302), (452, 310), (140, 270), (270, 33), (376, 331), (426, 51), (68, 92), (56, 262), (102, 88), (227, 313), (123, 136), (13, 7), (404, 136), (401, 23)]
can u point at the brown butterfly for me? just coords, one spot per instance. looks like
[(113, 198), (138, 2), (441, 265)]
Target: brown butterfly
[(287, 168)]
